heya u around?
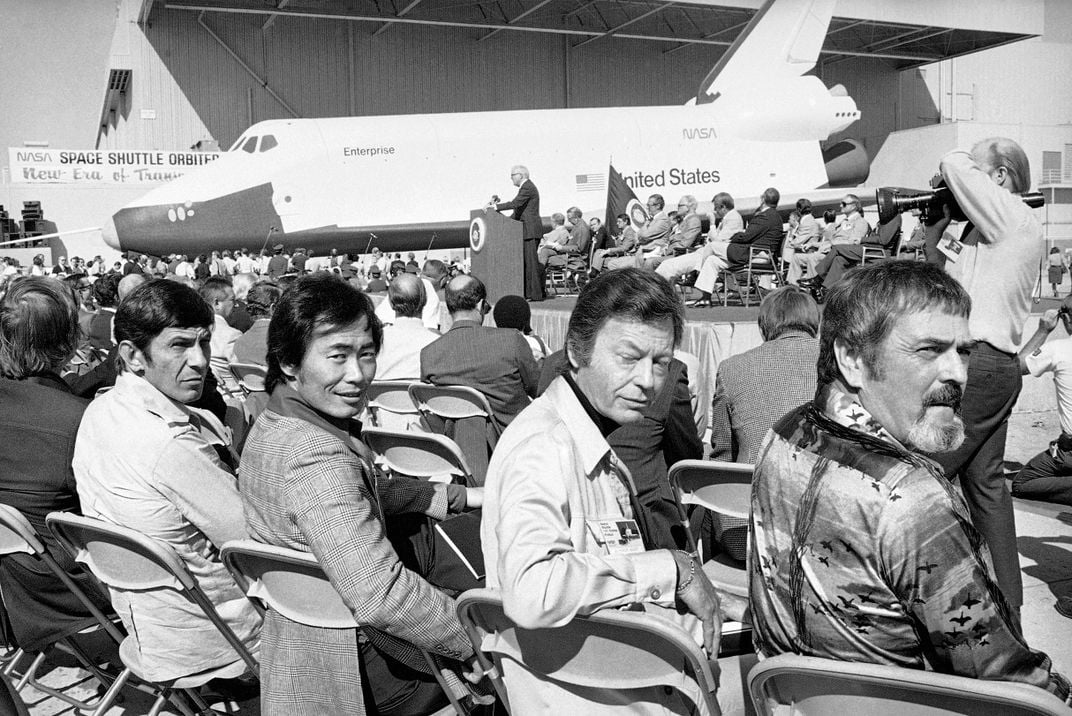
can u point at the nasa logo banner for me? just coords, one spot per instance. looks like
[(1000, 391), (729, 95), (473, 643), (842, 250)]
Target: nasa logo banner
[(101, 166), (478, 232)]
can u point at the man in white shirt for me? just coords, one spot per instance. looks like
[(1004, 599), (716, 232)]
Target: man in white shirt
[(1048, 475), (429, 313), (244, 264), (1001, 249), (143, 459), (219, 294), (400, 355), (712, 257), (556, 490)]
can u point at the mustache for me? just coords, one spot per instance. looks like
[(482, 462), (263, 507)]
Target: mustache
[(950, 395)]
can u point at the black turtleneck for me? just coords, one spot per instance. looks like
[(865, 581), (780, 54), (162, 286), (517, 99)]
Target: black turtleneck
[(606, 425)]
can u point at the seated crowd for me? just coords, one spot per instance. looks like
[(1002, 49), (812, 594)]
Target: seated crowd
[(858, 547)]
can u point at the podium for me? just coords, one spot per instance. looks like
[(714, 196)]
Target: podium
[(498, 255)]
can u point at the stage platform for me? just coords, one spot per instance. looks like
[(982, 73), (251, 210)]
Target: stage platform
[(713, 334)]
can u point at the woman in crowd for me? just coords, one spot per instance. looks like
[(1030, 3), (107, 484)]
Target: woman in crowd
[(252, 346), (308, 483), (1057, 269), (39, 419), (514, 312)]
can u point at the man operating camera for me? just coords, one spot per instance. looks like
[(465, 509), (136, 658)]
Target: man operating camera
[(997, 263)]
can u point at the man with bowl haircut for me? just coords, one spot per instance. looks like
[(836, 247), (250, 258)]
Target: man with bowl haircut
[(861, 550)]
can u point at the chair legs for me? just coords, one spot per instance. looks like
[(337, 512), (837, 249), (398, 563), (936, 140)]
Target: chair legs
[(114, 682)]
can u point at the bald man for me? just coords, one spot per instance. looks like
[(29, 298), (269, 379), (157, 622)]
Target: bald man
[(403, 340), (495, 361), (526, 209)]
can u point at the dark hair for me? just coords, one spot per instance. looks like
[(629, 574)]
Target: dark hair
[(38, 326), (313, 301), (464, 293), (771, 196), (215, 288), (155, 305), (106, 290), (513, 312), (261, 299), (629, 294), (722, 199), (804, 206), (863, 307), (623, 217), (785, 309), (830, 216)]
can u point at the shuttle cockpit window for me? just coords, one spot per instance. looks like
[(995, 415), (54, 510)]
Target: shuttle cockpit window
[(268, 142), (250, 146)]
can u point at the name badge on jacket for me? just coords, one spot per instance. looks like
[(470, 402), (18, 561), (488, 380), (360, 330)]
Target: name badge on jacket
[(617, 535)]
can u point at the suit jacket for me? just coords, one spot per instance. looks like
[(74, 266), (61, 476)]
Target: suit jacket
[(601, 239), (686, 235), (307, 484), (526, 207), (496, 361), (764, 231), (39, 419), (580, 237), (657, 228), (754, 389)]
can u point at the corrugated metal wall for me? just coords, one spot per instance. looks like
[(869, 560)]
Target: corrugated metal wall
[(197, 88)]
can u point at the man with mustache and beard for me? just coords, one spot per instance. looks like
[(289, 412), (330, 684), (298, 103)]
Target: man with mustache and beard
[(861, 548)]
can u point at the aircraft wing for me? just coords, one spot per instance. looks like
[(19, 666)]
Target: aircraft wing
[(782, 41)]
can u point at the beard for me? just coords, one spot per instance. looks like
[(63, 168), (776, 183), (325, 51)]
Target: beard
[(931, 434)]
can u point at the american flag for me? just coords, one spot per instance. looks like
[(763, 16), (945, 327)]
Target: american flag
[(591, 182)]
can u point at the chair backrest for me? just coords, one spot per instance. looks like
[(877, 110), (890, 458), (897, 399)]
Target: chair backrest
[(464, 415), (391, 396), (725, 487), (18, 535), (290, 582), (609, 649), (420, 455), (809, 685), (249, 375), (124, 558)]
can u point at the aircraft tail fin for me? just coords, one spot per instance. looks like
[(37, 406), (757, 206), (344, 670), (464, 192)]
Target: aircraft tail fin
[(791, 32)]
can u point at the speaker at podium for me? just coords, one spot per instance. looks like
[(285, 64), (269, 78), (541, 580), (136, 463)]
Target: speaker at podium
[(498, 256)]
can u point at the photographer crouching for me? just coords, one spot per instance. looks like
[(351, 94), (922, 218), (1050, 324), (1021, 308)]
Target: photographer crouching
[(997, 261)]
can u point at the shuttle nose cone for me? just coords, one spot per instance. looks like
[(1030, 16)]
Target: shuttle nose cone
[(110, 235)]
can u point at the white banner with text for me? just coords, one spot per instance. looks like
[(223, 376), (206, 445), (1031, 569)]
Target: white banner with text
[(31, 165)]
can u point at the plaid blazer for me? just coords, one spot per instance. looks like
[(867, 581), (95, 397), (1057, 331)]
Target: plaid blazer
[(306, 485)]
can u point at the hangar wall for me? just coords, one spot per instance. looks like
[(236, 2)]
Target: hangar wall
[(408, 69)]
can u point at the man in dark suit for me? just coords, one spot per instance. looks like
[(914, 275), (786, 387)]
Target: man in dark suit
[(496, 361), (764, 231), (526, 208)]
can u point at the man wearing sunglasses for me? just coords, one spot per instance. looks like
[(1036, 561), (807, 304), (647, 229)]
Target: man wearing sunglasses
[(851, 230)]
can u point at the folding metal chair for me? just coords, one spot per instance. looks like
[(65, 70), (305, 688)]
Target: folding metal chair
[(10, 703), (425, 456), (611, 648), (124, 558), (808, 686), (250, 376), (761, 262), (293, 584), (726, 488), (462, 414), (18, 535), (390, 404)]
